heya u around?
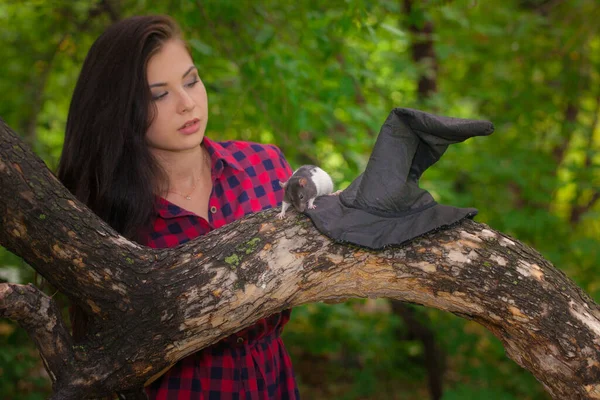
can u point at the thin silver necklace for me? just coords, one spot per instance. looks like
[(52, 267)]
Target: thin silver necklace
[(189, 195)]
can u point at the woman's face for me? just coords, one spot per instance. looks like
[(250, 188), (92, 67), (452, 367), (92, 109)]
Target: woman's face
[(180, 99)]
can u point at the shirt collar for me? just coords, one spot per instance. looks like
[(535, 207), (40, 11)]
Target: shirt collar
[(220, 157), (219, 153)]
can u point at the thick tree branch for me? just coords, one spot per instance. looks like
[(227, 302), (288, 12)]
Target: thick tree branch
[(149, 308)]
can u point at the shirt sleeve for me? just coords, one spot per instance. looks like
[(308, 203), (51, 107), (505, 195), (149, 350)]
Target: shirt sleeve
[(284, 171)]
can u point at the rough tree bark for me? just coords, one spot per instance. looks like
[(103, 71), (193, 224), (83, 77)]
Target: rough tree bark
[(149, 308)]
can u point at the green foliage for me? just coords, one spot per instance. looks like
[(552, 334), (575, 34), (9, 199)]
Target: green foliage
[(358, 341), (318, 80), (475, 353), (22, 375)]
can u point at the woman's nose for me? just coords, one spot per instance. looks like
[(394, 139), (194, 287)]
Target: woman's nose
[(186, 102)]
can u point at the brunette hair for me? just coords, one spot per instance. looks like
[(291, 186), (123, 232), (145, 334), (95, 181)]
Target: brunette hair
[(105, 160)]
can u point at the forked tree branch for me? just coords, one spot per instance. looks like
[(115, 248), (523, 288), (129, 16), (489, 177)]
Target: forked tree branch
[(149, 308)]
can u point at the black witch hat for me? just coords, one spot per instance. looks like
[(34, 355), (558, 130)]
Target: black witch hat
[(385, 206)]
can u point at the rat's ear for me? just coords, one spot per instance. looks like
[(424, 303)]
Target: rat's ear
[(302, 182), (283, 184)]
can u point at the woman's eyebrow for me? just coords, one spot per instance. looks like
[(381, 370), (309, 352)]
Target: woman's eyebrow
[(190, 69)]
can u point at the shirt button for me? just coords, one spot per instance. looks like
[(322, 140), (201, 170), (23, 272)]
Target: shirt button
[(213, 209), (240, 340)]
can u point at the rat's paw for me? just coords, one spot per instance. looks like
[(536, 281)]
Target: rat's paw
[(280, 216), (336, 193), (312, 207)]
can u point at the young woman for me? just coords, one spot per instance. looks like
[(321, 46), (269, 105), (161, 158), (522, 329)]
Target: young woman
[(135, 152)]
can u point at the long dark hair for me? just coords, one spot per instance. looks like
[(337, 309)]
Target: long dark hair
[(105, 160)]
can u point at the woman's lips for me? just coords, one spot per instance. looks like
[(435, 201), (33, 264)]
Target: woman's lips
[(190, 128)]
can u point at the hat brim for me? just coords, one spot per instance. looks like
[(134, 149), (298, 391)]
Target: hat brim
[(352, 225)]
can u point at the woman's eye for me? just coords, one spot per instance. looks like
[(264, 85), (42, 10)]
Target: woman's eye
[(191, 84), (159, 96)]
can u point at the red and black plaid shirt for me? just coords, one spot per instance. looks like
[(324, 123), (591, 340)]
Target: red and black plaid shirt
[(253, 363)]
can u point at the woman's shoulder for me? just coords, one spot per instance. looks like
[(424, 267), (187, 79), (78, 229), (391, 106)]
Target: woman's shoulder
[(248, 153), (252, 157), (248, 148)]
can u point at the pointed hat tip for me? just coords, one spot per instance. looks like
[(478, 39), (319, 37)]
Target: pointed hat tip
[(451, 128)]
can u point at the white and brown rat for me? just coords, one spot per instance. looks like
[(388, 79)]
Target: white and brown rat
[(304, 186)]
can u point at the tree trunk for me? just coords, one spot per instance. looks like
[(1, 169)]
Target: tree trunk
[(422, 50), (424, 56), (149, 308)]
